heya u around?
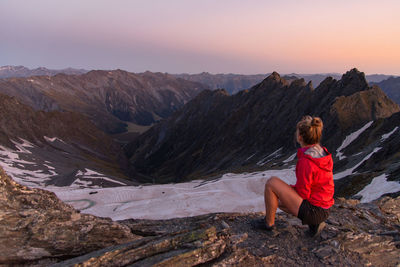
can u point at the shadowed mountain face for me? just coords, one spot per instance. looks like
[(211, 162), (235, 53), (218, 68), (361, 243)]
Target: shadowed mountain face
[(378, 145), (217, 132), (108, 98), (54, 146)]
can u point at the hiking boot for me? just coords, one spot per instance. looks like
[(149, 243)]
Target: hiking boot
[(315, 229), (260, 224)]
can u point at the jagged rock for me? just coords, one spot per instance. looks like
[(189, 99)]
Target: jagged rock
[(37, 228)]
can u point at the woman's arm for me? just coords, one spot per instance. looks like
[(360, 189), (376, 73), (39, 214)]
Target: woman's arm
[(304, 178)]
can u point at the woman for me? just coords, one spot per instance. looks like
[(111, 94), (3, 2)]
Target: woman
[(312, 195)]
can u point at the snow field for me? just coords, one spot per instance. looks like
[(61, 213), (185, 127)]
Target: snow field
[(231, 193)]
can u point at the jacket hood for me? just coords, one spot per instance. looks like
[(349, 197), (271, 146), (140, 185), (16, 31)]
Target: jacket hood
[(323, 161)]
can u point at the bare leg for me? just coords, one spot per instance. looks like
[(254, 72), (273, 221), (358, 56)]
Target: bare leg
[(278, 192), (271, 204), (282, 207)]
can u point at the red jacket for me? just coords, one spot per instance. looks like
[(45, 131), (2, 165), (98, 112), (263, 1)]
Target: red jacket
[(315, 178)]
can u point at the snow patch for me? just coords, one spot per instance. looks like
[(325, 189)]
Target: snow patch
[(53, 139), (89, 177), (350, 171), (350, 138), (386, 136), (378, 187), (289, 159), (250, 157), (22, 171), (268, 158), (22, 147)]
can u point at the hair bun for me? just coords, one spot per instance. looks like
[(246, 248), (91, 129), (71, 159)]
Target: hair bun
[(316, 122)]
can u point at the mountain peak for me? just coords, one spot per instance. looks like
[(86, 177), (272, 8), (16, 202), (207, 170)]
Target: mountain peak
[(273, 79), (274, 76), (355, 77)]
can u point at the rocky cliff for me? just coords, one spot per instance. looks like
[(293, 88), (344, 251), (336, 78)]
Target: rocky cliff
[(217, 132), (38, 229)]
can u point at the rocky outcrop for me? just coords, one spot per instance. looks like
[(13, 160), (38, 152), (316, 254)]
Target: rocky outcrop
[(217, 132), (38, 229), (361, 107), (110, 99)]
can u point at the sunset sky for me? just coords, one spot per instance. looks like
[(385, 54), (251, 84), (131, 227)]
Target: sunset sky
[(191, 36)]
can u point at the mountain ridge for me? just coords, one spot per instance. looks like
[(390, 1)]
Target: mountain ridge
[(234, 83), (21, 71), (244, 128)]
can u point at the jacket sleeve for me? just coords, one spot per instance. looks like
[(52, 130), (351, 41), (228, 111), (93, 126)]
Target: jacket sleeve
[(304, 178)]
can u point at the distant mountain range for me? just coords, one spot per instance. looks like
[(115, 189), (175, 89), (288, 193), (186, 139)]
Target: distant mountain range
[(110, 99), (233, 83), (21, 71), (218, 132)]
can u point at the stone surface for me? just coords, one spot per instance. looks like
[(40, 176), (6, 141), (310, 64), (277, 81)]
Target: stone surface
[(356, 234), (36, 227)]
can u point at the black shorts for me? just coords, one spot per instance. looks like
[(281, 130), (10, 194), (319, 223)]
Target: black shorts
[(312, 215)]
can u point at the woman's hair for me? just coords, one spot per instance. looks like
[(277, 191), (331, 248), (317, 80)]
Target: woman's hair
[(310, 129)]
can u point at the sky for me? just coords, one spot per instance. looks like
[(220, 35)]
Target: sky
[(192, 36)]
